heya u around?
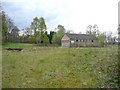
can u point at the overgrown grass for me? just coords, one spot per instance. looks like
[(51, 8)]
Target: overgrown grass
[(12, 45), (50, 67), (0, 66)]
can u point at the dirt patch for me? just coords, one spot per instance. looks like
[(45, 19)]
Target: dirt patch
[(14, 49)]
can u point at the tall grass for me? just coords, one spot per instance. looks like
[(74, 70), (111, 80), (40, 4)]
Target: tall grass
[(49, 67)]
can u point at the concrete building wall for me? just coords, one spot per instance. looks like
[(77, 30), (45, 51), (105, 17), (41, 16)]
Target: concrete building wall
[(65, 42), (83, 43)]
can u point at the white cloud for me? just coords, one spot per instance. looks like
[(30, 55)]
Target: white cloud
[(73, 14)]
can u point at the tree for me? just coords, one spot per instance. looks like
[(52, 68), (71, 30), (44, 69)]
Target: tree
[(46, 38), (42, 28), (10, 23), (37, 37), (9, 30), (28, 31), (93, 30), (59, 34), (89, 30), (39, 27), (101, 37), (4, 28), (13, 36), (109, 36), (50, 36), (35, 25)]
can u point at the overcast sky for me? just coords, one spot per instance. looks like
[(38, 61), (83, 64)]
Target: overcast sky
[(74, 15)]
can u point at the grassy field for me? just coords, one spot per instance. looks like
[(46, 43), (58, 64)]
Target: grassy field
[(0, 66), (50, 67)]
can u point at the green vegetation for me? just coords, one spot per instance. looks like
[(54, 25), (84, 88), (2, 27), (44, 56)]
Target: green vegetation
[(53, 67), (12, 45), (37, 33), (10, 32), (4, 29), (0, 66), (58, 35), (39, 27), (101, 37)]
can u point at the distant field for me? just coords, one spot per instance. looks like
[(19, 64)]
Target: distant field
[(50, 67)]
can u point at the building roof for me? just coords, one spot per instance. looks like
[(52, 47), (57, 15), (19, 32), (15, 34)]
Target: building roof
[(81, 37)]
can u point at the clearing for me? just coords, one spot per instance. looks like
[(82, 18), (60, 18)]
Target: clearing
[(55, 67)]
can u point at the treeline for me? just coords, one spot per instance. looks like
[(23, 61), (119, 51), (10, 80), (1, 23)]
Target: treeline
[(103, 38), (10, 32), (41, 36), (37, 33)]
